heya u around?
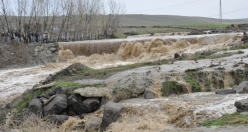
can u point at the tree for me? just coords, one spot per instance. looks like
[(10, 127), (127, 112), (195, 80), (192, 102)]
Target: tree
[(111, 20)]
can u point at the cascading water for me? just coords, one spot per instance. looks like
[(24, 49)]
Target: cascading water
[(152, 115)]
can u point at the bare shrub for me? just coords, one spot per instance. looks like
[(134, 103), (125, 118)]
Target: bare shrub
[(33, 123), (69, 125)]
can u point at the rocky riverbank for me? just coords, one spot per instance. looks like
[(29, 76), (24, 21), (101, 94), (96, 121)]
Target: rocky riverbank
[(177, 93)]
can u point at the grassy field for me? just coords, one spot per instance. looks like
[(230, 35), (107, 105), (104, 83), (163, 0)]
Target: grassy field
[(148, 30), (152, 20)]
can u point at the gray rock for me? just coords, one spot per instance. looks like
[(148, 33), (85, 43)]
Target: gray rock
[(93, 124), (245, 90), (57, 105), (59, 119), (149, 94), (35, 106), (76, 106), (225, 91), (177, 56), (91, 104), (110, 114), (241, 105), (49, 85), (93, 92), (57, 90), (43, 99), (49, 79), (241, 86)]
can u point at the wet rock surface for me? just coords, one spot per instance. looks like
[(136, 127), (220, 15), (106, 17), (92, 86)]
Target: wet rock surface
[(35, 106), (241, 86), (110, 114), (225, 91), (56, 106), (242, 105), (149, 94)]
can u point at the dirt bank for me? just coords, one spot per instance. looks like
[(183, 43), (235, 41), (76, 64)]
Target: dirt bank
[(14, 54)]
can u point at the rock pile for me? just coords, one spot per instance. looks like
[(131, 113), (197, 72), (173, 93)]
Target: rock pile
[(61, 104), (242, 88), (45, 53)]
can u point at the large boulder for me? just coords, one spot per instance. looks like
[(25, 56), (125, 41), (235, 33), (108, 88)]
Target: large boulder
[(93, 92), (35, 106), (241, 105), (149, 94), (91, 104), (241, 86), (75, 105), (93, 124), (56, 106), (225, 91), (110, 114)]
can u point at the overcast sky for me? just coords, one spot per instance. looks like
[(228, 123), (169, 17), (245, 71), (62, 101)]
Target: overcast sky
[(232, 9)]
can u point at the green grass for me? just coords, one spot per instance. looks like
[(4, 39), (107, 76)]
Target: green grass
[(228, 119), (195, 86), (171, 87), (24, 102), (244, 46), (211, 26), (68, 85)]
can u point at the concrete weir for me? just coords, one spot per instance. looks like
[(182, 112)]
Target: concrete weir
[(90, 47)]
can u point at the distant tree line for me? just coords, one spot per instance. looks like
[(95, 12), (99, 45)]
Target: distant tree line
[(62, 19)]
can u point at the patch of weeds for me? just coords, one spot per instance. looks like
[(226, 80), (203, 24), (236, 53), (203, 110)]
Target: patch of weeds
[(244, 46), (24, 102), (40, 91), (171, 87), (195, 86), (241, 52), (208, 88), (228, 119), (68, 85)]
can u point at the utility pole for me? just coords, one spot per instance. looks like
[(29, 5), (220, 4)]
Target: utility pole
[(220, 15)]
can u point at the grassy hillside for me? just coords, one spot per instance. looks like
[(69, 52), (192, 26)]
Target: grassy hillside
[(151, 20)]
